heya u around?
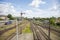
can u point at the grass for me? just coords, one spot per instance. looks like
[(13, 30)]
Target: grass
[(27, 29), (10, 32), (7, 34), (57, 27)]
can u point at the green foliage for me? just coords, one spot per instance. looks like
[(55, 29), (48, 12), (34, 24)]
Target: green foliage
[(1, 19), (58, 24), (27, 29), (10, 17), (52, 20)]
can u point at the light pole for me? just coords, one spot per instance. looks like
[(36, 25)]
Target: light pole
[(16, 29), (49, 30)]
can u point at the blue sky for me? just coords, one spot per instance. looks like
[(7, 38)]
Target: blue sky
[(31, 8)]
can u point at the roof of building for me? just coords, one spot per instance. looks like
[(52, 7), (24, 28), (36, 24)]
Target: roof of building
[(2, 15)]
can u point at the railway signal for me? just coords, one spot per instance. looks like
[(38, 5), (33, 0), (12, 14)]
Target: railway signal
[(21, 15), (21, 21), (17, 26)]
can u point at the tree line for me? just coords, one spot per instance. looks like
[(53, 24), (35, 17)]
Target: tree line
[(52, 20)]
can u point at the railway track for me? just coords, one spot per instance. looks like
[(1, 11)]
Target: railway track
[(38, 33), (3, 31), (54, 30)]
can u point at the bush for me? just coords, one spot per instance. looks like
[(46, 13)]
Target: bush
[(1, 19), (58, 23)]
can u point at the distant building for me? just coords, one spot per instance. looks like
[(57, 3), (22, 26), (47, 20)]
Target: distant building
[(58, 20), (46, 21), (3, 17)]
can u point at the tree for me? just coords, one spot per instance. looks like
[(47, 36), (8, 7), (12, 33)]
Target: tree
[(10, 17), (52, 20)]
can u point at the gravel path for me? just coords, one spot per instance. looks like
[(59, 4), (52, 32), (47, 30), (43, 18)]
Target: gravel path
[(26, 36)]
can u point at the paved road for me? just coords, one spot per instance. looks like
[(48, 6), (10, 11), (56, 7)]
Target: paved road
[(28, 36)]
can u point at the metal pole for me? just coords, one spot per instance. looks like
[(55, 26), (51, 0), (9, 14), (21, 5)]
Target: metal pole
[(21, 21), (49, 31), (21, 16), (16, 29)]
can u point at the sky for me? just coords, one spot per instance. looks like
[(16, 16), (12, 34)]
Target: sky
[(31, 8)]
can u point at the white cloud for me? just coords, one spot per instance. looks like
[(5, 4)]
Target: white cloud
[(55, 10), (7, 8), (35, 12), (36, 3), (28, 11), (55, 7)]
